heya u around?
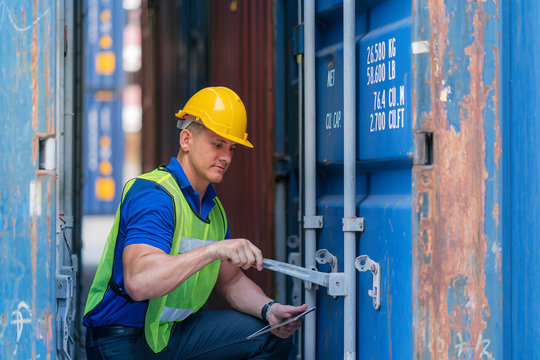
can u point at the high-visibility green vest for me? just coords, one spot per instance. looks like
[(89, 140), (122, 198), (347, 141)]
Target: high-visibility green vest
[(190, 232)]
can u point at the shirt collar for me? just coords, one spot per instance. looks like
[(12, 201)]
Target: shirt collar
[(193, 197)]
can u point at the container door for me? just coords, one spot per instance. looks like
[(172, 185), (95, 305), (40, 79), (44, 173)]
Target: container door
[(429, 178), (38, 271), (384, 163)]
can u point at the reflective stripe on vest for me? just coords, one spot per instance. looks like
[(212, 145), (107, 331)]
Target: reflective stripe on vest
[(170, 314), (188, 244)]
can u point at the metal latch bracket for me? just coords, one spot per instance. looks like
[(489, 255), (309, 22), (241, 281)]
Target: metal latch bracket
[(353, 224), (313, 222), (363, 263), (64, 296), (324, 256)]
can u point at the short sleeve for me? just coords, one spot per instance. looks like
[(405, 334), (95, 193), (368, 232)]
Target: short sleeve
[(148, 216)]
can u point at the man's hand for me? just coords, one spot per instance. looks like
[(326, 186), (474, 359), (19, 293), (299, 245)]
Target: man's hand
[(278, 313), (238, 252)]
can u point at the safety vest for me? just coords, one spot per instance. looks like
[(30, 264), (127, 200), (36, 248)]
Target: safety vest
[(190, 232)]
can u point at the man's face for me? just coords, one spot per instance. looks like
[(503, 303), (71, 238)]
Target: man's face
[(210, 156)]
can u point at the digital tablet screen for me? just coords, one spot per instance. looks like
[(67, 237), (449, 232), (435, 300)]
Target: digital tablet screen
[(268, 328)]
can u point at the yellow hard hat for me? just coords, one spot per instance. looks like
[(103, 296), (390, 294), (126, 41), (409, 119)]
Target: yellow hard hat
[(220, 110)]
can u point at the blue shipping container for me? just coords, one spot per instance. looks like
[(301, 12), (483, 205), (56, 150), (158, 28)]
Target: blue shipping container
[(103, 152), (27, 190), (103, 45), (446, 177), (103, 82), (446, 117), (37, 265)]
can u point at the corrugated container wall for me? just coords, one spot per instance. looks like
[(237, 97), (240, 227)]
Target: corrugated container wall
[(457, 284), (39, 178), (446, 113), (520, 214), (174, 67), (28, 193), (446, 158), (242, 59)]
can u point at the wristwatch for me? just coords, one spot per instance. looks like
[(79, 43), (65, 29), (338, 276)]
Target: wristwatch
[(265, 308)]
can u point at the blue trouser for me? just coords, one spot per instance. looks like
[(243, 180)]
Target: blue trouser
[(204, 335)]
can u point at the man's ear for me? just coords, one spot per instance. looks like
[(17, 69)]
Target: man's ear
[(186, 139)]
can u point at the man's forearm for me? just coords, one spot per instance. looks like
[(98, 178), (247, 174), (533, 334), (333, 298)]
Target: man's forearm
[(242, 293), (150, 273)]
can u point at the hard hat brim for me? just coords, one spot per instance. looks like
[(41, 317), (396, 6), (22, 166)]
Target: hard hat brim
[(237, 140)]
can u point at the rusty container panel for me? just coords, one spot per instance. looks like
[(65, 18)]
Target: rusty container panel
[(27, 189), (430, 182), (241, 57), (457, 248), (174, 67)]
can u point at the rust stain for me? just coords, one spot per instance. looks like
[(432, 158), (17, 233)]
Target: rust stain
[(49, 90), (45, 331), (46, 78), (34, 51), (35, 146), (33, 253), (495, 213), (450, 243), (497, 148)]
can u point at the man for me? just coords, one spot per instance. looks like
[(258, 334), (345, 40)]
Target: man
[(169, 247)]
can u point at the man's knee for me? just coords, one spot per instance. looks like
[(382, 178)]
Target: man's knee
[(278, 347)]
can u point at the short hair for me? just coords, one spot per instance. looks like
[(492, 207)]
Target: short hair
[(196, 128)]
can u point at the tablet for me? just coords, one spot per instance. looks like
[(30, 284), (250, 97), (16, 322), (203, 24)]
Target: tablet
[(268, 328)]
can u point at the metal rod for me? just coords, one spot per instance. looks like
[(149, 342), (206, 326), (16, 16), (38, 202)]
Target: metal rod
[(280, 193), (349, 172), (300, 137), (299, 272), (310, 238), (280, 245)]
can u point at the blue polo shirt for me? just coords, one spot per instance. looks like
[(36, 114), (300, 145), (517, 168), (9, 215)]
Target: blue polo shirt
[(146, 217)]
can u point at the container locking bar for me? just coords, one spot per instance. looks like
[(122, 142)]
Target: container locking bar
[(335, 282), (363, 263)]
